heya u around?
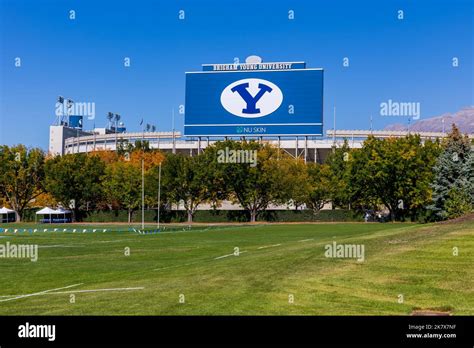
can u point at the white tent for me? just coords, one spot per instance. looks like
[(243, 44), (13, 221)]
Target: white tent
[(51, 212), (7, 215), (63, 212)]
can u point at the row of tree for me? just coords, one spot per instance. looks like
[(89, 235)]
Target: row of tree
[(408, 177)]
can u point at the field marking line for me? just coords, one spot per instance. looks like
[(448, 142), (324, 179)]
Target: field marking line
[(95, 290), (268, 246), (306, 240), (221, 257), (62, 246), (185, 264), (39, 293), (114, 241), (200, 261)]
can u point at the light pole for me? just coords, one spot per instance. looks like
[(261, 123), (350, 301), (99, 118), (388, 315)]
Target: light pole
[(172, 121), (110, 116), (334, 131), (117, 118), (143, 179), (159, 195), (69, 105), (61, 115), (143, 194)]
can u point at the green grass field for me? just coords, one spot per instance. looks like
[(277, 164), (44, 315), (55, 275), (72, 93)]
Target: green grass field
[(276, 263)]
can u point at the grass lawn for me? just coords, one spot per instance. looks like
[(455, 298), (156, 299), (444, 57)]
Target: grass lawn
[(277, 263)]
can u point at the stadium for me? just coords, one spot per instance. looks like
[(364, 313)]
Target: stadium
[(67, 136), (272, 195)]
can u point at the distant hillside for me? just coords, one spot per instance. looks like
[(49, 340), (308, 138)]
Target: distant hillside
[(464, 120)]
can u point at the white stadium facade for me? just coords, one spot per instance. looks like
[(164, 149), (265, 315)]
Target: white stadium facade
[(68, 140)]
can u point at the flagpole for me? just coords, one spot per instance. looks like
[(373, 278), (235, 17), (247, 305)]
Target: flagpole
[(174, 146), (143, 178), (159, 194)]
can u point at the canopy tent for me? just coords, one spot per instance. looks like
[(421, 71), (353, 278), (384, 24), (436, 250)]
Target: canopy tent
[(7, 215), (54, 215)]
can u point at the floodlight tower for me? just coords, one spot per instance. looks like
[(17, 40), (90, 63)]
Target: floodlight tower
[(116, 118), (69, 105), (110, 116), (60, 115)]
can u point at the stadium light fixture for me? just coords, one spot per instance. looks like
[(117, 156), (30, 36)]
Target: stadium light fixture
[(117, 118), (110, 116), (70, 103), (60, 117)]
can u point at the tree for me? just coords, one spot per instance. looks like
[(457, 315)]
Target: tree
[(395, 172), (75, 178), (212, 177), (457, 203), (339, 162), (122, 186), (453, 184), (295, 182), (21, 176), (253, 185), (183, 181), (320, 186)]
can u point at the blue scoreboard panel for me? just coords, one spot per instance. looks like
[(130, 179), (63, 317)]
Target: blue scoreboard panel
[(264, 99)]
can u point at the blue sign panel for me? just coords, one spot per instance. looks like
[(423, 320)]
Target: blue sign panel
[(254, 103), (75, 121)]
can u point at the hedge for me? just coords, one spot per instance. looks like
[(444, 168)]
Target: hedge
[(215, 216)]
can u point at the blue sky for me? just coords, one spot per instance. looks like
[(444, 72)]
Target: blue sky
[(406, 60)]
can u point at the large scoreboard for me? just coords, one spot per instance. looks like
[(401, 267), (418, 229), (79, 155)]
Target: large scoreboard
[(254, 99)]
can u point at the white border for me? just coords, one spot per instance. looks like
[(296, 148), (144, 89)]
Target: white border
[(247, 71), (254, 63)]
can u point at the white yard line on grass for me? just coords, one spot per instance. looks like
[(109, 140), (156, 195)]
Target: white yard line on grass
[(52, 292), (115, 241), (306, 240), (185, 264), (61, 246), (200, 261), (94, 290), (221, 257), (268, 246), (38, 293)]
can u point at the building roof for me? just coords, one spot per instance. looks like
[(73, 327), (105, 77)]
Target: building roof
[(6, 211)]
